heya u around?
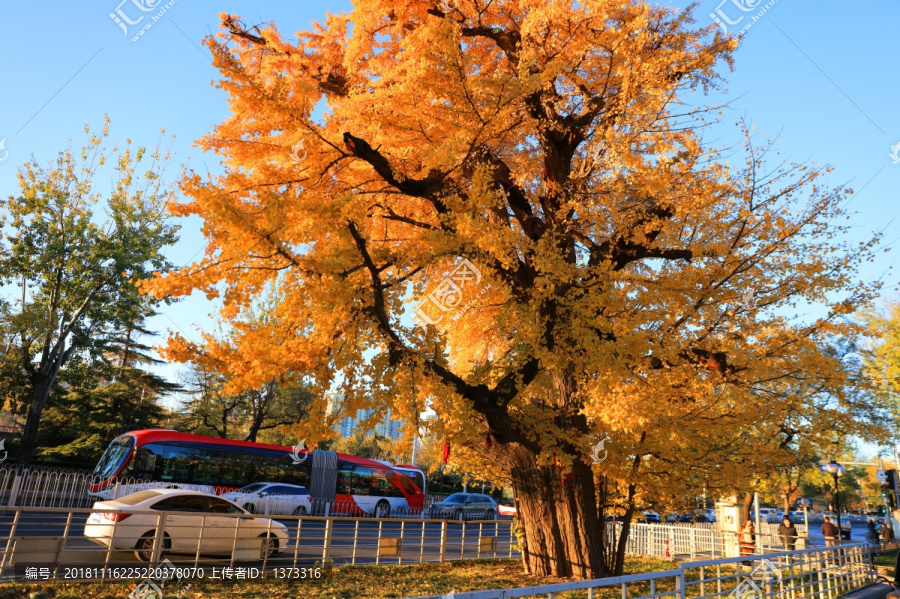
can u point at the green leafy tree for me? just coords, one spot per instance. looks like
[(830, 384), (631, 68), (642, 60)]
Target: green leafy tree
[(73, 256), (116, 394)]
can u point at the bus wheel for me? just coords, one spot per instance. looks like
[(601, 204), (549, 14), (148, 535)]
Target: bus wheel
[(250, 508), (382, 509), (143, 549), (300, 511), (269, 546)]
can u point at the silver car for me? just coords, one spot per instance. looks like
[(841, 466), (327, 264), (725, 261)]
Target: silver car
[(465, 506)]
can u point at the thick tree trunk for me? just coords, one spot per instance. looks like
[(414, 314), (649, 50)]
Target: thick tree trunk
[(618, 566), (40, 391), (562, 532), (746, 503)]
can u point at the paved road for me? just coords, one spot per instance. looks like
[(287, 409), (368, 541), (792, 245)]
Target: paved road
[(857, 532), (421, 541)]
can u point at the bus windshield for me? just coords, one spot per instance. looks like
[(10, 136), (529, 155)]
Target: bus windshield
[(115, 454)]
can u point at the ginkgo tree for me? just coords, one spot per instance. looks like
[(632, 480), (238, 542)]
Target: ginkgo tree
[(505, 212)]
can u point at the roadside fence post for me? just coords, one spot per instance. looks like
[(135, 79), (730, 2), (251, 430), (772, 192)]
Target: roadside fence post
[(443, 541), (14, 491), (326, 550), (297, 542), (355, 542), (422, 544), (378, 544), (159, 539), (400, 548), (462, 541)]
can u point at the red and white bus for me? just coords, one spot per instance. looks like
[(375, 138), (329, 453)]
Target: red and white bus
[(346, 483)]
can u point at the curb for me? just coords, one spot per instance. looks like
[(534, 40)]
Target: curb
[(875, 591)]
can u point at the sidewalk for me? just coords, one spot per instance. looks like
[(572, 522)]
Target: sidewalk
[(876, 591)]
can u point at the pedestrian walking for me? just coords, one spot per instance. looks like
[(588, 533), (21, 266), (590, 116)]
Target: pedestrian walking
[(887, 533), (747, 538), (830, 532), (788, 534)]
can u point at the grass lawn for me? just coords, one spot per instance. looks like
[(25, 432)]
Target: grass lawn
[(348, 582), (382, 582), (888, 559)]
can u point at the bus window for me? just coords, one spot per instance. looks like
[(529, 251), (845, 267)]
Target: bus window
[(418, 478), (114, 455), (296, 474), (207, 467), (386, 485), (177, 466), (395, 481), (228, 472), (344, 485), (143, 463), (364, 481)]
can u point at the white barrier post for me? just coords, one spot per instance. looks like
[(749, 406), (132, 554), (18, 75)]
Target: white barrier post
[(14, 491)]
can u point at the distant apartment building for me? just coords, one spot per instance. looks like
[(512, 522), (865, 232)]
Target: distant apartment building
[(348, 425)]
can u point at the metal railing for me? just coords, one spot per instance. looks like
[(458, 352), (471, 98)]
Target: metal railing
[(684, 541), (85, 544), (821, 573), (54, 487)]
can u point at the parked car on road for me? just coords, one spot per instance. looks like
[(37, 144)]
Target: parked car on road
[(705, 515), (846, 525), (196, 518), (272, 498), (506, 510), (768, 514), (650, 517), (465, 506), (672, 517)]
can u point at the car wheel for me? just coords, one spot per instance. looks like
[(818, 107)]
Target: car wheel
[(300, 511), (269, 546), (143, 549), (250, 508), (459, 516), (382, 509)]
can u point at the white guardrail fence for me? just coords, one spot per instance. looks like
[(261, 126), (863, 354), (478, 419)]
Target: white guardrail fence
[(822, 573), (43, 513), (53, 543)]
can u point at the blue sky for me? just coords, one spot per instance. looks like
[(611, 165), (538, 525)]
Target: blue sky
[(823, 76)]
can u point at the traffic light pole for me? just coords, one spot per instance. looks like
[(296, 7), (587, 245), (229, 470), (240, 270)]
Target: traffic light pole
[(892, 483), (884, 501)]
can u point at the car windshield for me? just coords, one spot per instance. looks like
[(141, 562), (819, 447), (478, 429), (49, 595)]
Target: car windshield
[(251, 488), (114, 455), (139, 497), (457, 498)]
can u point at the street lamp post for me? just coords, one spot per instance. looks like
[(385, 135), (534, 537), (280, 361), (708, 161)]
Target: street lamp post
[(836, 470)]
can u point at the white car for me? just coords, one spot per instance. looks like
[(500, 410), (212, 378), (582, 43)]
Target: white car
[(196, 519), (272, 498)]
